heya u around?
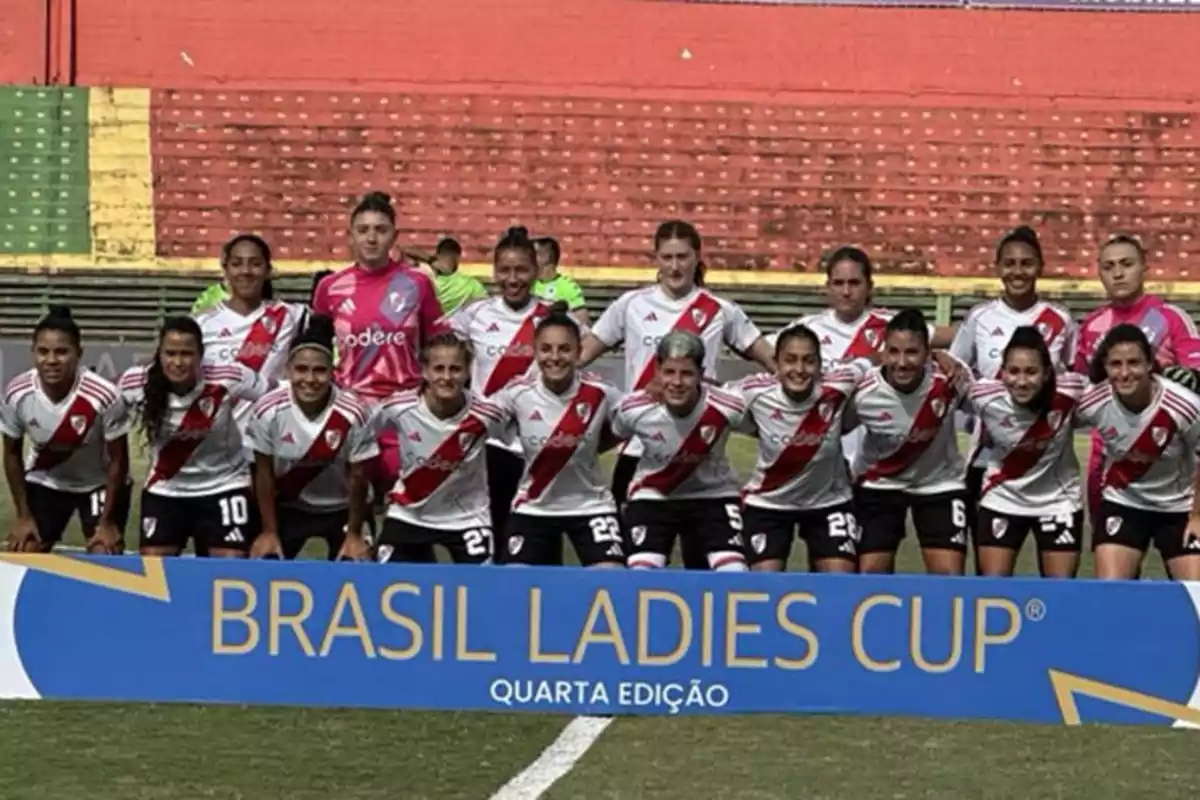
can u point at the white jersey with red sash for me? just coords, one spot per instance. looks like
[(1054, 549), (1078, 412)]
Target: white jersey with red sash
[(560, 438), (443, 471), (258, 341), (312, 457), (985, 331), (910, 443), (800, 464), (502, 340), (199, 450), (640, 319), (67, 437), (1149, 456), (683, 458), (1032, 469)]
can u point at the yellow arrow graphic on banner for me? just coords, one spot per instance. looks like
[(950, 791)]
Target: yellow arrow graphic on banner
[(152, 583), (1067, 687)]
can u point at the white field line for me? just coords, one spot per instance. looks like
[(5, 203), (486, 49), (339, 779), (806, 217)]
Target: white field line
[(555, 761)]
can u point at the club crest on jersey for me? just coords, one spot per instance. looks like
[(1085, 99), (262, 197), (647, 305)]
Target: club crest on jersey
[(268, 324), (1044, 329), (79, 423), (515, 543), (1054, 420), (333, 439), (872, 337), (1112, 525), (465, 440), (206, 406), (759, 542), (584, 411), (708, 433), (826, 410), (999, 528), (939, 406), (638, 534), (1159, 435), (699, 317), (149, 525)]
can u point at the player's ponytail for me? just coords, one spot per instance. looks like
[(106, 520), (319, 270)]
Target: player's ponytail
[(1121, 334), (157, 392), (1027, 337), (317, 335), (559, 318), (58, 318)]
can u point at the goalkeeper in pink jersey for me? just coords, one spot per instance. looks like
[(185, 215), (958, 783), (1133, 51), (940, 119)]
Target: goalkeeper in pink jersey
[(383, 310), (1171, 333)]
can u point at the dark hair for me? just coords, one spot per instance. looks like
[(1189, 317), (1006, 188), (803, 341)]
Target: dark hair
[(559, 318), (268, 290), (446, 339), (317, 333), (449, 246), (678, 229), (316, 281), (1121, 334), (910, 320), (796, 332), (1028, 337), (551, 244), (157, 393), (516, 238), (1126, 238), (374, 201), (849, 253), (58, 318), (1025, 235)]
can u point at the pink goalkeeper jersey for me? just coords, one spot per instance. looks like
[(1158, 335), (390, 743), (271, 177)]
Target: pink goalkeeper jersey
[(380, 319), (1170, 330)]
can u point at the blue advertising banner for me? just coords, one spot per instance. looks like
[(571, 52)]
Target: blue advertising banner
[(597, 642)]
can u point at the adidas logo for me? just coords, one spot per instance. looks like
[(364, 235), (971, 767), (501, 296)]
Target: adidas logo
[(347, 306), (415, 436), (826, 339), (287, 438), (651, 317), (777, 414), (1065, 538), (536, 416), (846, 547), (225, 333), (493, 328), (658, 437), (886, 416), (235, 536), (998, 331)]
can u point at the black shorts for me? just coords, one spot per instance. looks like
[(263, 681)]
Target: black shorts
[(1055, 533), (1137, 528), (715, 525), (882, 514), (829, 532), (504, 470), (225, 521), (537, 540), (405, 543), (299, 525), (52, 510)]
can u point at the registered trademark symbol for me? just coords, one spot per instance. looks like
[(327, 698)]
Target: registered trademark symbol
[(1035, 610)]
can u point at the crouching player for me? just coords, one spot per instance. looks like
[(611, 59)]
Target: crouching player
[(78, 427), (561, 418), (198, 484), (683, 484), (312, 442), (441, 495)]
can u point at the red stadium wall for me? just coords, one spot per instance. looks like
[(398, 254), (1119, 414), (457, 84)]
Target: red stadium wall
[(922, 133)]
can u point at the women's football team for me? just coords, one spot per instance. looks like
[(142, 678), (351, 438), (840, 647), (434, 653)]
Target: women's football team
[(269, 425)]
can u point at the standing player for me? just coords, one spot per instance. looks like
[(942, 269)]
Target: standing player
[(1149, 429), (909, 458), (988, 326), (383, 311), (683, 485), (249, 327), (198, 485), (500, 331), (639, 319), (1168, 328), (1030, 482), (552, 285), (312, 442), (78, 461), (440, 497), (800, 481), (561, 417)]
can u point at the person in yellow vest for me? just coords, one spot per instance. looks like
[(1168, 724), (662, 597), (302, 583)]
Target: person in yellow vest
[(554, 286)]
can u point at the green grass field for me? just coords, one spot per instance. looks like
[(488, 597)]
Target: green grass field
[(52, 750)]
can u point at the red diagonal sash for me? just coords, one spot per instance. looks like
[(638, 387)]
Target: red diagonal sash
[(808, 437), (68, 436), (924, 430), (1027, 452), (261, 338), (694, 449), (868, 338), (563, 441), (518, 356), (428, 477), (694, 319), (320, 454), (1147, 448), (193, 428)]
